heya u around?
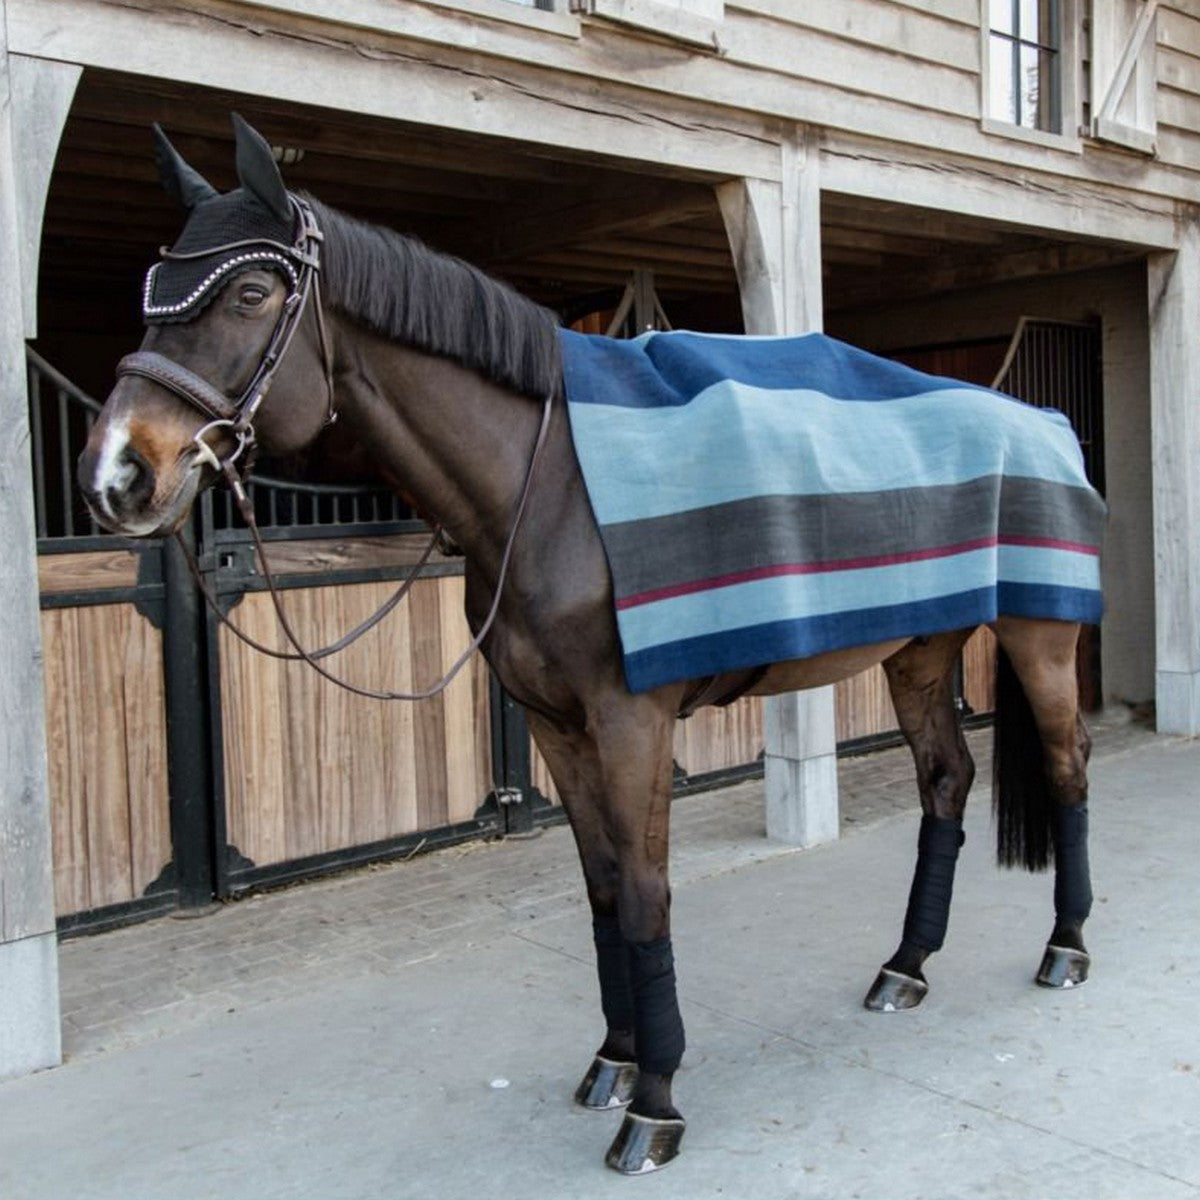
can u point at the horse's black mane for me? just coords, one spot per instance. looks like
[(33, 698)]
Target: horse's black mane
[(401, 289)]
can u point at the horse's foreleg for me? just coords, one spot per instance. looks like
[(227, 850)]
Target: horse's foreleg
[(574, 764), (634, 743), (1050, 804), (921, 680)]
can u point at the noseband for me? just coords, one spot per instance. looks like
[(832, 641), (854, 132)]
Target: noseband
[(302, 262)]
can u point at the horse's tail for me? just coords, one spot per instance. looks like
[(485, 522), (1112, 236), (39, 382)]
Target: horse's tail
[(1021, 797)]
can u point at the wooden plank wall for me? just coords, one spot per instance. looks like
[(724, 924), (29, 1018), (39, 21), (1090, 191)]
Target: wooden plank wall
[(1178, 93), (712, 739), (106, 733), (310, 768), (717, 739)]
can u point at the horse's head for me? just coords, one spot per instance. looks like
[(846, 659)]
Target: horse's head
[(230, 312)]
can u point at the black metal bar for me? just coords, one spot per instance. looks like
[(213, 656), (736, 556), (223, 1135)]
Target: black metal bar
[(64, 463), (114, 916), (86, 599), (209, 560), (189, 778), (39, 462), (244, 878), (512, 764)]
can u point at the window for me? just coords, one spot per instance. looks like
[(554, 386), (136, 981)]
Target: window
[(694, 21), (1123, 74), (1025, 63)]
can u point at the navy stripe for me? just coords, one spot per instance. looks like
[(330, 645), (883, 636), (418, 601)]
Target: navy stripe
[(781, 641), (634, 374), (1050, 601)]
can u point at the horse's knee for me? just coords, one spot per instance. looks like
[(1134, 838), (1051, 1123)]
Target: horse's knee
[(1066, 770), (947, 787), (644, 904), (945, 773), (602, 878)]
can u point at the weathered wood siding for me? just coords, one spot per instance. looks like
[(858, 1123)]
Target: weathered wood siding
[(105, 724), (310, 768), (888, 84), (716, 739), (1178, 101)]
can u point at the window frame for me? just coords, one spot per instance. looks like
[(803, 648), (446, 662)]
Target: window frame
[(1066, 99), (552, 16), (694, 22)]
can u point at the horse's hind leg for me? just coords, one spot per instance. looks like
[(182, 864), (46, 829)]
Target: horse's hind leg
[(921, 678), (1040, 780)]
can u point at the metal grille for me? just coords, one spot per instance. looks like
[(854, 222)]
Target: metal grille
[(1053, 364), (286, 508), (61, 417)]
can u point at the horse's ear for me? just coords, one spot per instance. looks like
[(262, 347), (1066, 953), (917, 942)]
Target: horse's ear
[(258, 171), (184, 184)]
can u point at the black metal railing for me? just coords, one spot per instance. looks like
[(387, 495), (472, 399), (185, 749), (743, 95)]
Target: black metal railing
[(61, 416), (1057, 364)]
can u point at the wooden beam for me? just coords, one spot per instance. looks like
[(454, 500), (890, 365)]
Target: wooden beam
[(618, 211), (949, 272), (512, 100), (29, 1006)]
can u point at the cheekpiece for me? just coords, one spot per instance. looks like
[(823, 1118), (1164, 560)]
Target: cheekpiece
[(224, 236)]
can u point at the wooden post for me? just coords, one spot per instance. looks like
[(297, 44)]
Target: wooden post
[(1174, 298), (775, 233), (29, 1006)]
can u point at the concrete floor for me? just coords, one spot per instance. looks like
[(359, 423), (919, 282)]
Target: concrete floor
[(417, 1030)]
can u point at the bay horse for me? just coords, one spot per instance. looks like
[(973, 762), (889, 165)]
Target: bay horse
[(431, 366)]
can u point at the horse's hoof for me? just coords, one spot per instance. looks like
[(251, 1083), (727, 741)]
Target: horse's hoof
[(644, 1144), (1063, 967), (893, 991), (607, 1084)]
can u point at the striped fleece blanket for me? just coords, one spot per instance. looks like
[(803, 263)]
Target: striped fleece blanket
[(763, 499)]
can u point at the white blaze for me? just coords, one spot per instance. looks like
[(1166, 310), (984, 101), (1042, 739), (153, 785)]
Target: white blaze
[(114, 470)]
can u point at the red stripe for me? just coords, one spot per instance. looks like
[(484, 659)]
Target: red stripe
[(1045, 543), (776, 570)]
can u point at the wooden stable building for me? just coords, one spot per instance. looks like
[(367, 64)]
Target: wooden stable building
[(998, 190)]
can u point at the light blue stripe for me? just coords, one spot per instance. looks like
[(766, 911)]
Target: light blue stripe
[(733, 442), (794, 597), (790, 597), (1038, 564)]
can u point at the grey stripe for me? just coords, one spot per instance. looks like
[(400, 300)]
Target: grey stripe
[(773, 530)]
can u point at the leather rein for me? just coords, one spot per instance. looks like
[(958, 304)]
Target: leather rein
[(237, 417)]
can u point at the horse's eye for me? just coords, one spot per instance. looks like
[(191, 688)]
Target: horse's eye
[(251, 296)]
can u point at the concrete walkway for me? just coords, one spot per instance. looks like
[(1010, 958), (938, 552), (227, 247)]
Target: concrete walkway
[(417, 1030)]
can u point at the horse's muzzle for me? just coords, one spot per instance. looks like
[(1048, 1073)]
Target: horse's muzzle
[(124, 493)]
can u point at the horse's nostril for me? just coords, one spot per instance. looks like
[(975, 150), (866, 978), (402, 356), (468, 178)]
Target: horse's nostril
[(138, 481)]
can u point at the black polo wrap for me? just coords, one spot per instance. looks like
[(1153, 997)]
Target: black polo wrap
[(1072, 875), (928, 911), (612, 965), (658, 1027)]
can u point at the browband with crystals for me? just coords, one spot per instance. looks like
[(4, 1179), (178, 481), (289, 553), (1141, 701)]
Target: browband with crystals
[(211, 280), (301, 263)]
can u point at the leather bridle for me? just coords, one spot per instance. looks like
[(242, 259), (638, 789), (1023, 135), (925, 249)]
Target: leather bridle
[(302, 263)]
